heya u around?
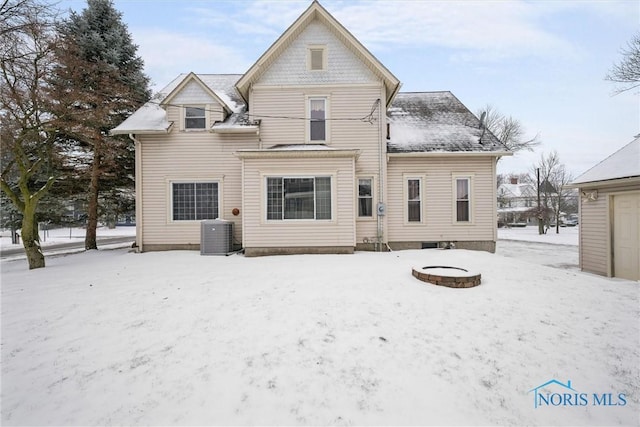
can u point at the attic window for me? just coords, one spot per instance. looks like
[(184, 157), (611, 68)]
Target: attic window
[(194, 118), (317, 58)]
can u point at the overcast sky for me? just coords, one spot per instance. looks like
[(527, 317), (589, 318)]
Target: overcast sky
[(542, 62)]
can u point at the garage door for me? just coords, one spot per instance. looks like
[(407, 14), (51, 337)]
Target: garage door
[(626, 234)]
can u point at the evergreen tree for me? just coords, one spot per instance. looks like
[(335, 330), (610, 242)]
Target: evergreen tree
[(99, 82)]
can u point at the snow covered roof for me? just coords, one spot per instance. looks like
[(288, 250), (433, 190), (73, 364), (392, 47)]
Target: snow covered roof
[(436, 122), (624, 163), (151, 117), (517, 190)]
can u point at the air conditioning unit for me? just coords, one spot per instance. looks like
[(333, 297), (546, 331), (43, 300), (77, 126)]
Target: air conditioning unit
[(216, 237)]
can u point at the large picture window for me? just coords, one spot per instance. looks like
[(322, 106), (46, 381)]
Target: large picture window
[(365, 197), (194, 118), (414, 200), (317, 122), (298, 198), (463, 200), (194, 201)]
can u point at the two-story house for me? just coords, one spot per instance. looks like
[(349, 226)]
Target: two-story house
[(312, 150)]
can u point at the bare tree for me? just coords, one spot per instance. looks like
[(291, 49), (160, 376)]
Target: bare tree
[(627, 72), (507, 129), (27, 145), (554, 177)]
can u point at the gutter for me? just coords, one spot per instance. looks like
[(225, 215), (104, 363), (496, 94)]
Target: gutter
[(138, 188)]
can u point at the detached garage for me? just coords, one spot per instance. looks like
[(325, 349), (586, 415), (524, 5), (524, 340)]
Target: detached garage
[(610, 214)]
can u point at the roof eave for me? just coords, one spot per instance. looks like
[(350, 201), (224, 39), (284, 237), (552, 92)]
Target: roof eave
[(450, 153), (605, 182)]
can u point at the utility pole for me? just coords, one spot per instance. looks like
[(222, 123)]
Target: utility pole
[(540, 225)]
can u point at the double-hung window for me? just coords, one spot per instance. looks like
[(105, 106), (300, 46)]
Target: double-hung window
[(194, 201), (299, 198), (365, 198), (317, 119), (195, 118), (414, 200), (463, 199)]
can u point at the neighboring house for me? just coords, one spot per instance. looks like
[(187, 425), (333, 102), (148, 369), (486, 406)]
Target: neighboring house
[(312, 150), (515, 202), (610, 214)]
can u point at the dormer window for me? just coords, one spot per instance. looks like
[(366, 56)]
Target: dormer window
[(194, 118), (317, 58)]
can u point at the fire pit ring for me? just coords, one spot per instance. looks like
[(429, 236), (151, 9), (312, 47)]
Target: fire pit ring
[(452, 277)]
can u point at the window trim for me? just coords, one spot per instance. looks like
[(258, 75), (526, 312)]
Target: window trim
[(183, 120), (316, 47), (169, 184), (454, 198), (265, 198), (373, 198), (405, 198), (327, 127)]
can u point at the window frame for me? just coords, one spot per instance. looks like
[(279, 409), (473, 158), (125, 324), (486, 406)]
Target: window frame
[(405, 193), (371, 197), (327, 128), (282, 219), (171, 211), (469, 200), (205, 116), (315, 48)]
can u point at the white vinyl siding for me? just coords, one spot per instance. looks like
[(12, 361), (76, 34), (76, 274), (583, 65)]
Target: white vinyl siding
[(260, 232), (595, 229), (439, 219), (188, 157)]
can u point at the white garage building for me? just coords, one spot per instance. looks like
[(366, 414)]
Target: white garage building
[(610, 214)]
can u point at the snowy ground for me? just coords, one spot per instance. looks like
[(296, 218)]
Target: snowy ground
[(175, 338), (64, 235), (566, 236)]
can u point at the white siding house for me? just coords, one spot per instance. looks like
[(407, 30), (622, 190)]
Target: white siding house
[(312, 150)]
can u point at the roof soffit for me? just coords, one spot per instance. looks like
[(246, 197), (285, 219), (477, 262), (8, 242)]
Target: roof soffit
[(313, 12)]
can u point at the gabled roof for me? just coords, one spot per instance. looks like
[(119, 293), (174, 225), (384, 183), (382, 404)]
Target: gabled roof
[(152, 118), (316, 11), (517, 190), (437, 122), (624, 163), (186, 80)]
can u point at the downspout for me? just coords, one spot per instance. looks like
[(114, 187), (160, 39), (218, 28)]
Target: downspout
[(138, 189), (381, 159)]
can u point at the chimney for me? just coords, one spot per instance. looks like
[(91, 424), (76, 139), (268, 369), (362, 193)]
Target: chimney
[(514, 180)]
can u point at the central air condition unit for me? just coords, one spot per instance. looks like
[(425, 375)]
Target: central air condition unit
[(216, 237)]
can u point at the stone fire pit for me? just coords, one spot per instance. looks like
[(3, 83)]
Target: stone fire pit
[(452, 277)]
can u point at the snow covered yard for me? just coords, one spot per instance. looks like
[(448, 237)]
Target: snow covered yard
[(175, 338)]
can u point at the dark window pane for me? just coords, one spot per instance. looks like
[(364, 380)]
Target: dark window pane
[(462, 208), (365, 198), (207, 200), (183, 202), (413, 202), (194, 118), (298, 198), (317, 125)]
